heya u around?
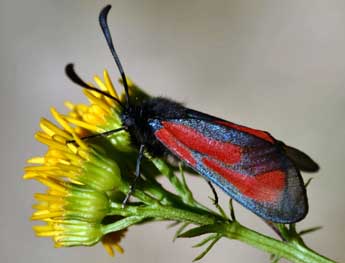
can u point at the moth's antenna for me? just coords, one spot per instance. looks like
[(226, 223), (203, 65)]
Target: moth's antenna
[(105, 28), (72, 75)]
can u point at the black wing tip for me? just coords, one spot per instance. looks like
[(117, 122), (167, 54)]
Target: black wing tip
[(312, 167), (300, 159)]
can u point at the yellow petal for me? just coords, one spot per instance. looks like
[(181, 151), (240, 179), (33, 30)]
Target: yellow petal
[(84, 125), (99, 101), (36, 160), (52, 129), (99, 83), (109, 84)]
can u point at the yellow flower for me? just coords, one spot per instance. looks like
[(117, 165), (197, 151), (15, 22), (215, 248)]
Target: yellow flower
[(80, 164), (101, 115), (111, 242), (78, 161), (67, 233), (81, 174), (70, 201)]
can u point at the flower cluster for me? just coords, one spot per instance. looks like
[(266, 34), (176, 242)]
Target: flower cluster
[(81, 178)]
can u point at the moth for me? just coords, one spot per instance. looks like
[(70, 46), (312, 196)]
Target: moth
[(250, 165)]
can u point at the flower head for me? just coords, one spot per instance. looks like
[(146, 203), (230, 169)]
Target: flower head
[(67, 233), (70, 201), (82, 175), (80, 165), (101, 115)]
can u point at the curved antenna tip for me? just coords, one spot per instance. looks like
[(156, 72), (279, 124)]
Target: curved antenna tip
[(68, 68), (105, 28), (104, 12), (72, 75)]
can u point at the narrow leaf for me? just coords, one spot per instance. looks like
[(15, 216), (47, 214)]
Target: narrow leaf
[(201, 255), (308, 182), (180, 230), (309, 230), (206, 240), (173, 224), (220, 209), (198, 231), (184, 182), (275, 258)]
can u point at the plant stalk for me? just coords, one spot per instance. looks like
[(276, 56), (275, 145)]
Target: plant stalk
[(291, 250)]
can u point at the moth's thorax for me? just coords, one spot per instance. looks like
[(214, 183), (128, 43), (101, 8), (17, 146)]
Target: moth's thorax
[(136, 119)]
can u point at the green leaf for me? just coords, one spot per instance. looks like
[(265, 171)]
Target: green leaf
[(308, 182), (198, 231), (201, 255), (166, 170), (188, 195), (180, 230), (274, 258), (206, 240), (309, 230), (173, 224), (220, 209)]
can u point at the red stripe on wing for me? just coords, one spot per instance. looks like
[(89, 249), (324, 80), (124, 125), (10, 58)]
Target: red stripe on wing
[(261, 134), (265, 187), (222, 151), (180, 150)]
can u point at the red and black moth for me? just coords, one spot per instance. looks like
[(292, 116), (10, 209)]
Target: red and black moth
[(251, 166)]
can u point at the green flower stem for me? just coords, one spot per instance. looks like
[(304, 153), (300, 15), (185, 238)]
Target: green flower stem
[(165, 213), (180, 187), (165, 198), (293, 250), (121, 224)]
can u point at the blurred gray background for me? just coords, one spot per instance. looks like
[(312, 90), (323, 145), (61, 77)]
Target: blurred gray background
[(272, 65)]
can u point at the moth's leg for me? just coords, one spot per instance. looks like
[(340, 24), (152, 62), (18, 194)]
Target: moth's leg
[(137, 175), (214, 192), (275, 229)]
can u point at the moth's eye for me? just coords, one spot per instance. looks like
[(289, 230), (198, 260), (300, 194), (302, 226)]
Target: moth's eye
[(128, 121)]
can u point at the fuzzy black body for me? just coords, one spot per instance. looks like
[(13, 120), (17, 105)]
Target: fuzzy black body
[(136, 119)]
